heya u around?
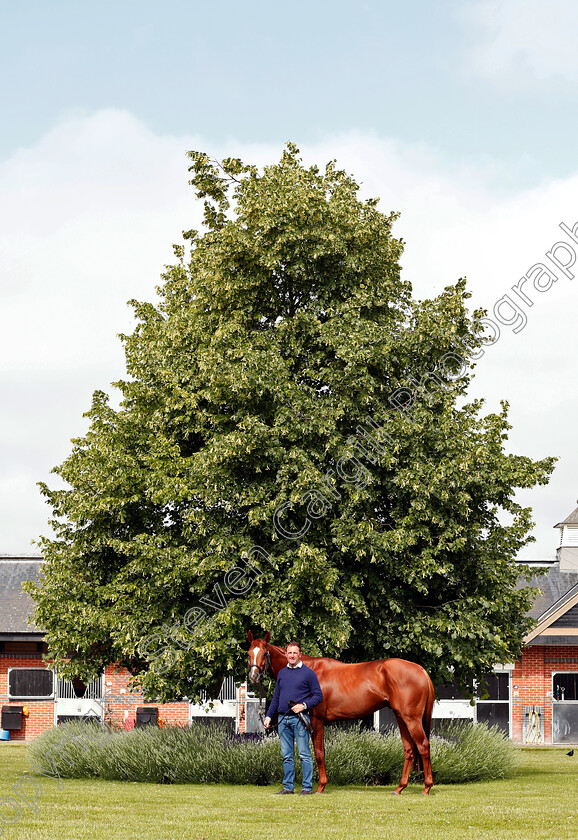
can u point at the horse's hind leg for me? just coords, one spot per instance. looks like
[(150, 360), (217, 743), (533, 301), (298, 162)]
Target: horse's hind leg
[(407, 752), (421, 741), (319, 747)]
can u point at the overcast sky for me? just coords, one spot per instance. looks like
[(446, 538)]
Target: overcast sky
[(461, 115)]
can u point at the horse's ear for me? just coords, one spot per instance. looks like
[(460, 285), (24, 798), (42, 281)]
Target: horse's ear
[(250, 637), (267, 637)]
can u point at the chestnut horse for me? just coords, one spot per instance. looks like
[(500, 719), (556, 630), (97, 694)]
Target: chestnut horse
[(352, 691)]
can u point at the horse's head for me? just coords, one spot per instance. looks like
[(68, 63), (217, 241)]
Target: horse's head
[(259, 659)]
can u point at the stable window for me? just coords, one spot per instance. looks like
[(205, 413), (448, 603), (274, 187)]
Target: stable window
[(30, 683), (451, 691), (493, 705), (496, 686), (77, 689), (565, 687), (228, 689), (565, 708)]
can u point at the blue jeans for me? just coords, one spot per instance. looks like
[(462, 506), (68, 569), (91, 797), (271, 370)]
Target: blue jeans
[(291, 729)]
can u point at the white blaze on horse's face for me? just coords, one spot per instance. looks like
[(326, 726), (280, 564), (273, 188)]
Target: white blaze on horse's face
[(254, 671)]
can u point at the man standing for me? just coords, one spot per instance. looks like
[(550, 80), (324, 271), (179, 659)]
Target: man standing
[(297, 690)]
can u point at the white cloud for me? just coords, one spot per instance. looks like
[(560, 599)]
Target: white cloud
[(516, 42), (88, 218), (87, 221)]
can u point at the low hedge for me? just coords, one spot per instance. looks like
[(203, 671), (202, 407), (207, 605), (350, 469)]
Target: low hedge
[(205, 753)]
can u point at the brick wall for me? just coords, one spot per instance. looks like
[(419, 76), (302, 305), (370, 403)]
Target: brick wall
[(532, 675), (41, 712), (242, 708), (119, 702), (531, 686)]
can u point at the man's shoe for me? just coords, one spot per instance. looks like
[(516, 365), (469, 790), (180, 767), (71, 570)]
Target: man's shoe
[(281, 792), (305, 792)]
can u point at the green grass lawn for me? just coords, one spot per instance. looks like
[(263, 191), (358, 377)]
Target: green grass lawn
[(540, 802)]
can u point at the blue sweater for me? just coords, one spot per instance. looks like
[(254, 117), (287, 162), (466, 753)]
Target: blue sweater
[(298, 684)]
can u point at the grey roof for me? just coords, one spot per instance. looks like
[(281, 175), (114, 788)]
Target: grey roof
[(555, 589), (554, 641), (571, 519), (16, 605)]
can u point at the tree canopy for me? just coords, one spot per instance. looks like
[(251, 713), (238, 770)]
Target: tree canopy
[(294, 451)]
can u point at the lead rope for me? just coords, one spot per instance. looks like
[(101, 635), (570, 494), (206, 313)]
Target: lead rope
[(261, 702)]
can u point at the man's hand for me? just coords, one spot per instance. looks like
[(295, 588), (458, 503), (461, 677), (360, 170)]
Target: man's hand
[(267, 722), (298, 707)]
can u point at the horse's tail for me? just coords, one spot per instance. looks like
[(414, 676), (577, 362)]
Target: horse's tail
[(425, 722), (427, 712)]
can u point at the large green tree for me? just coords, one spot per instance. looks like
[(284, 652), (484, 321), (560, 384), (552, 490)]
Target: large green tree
[(288, 402)]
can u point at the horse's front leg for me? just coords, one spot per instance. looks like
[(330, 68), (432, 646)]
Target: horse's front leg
[(319, 747)]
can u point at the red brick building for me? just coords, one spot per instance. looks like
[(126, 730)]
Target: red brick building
[(534, 700), (545, 680), (34, 698)]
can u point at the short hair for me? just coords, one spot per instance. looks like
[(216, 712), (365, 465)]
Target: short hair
[(293, 643)]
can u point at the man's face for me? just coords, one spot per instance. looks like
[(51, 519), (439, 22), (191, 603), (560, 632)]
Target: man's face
[(293, 655)]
